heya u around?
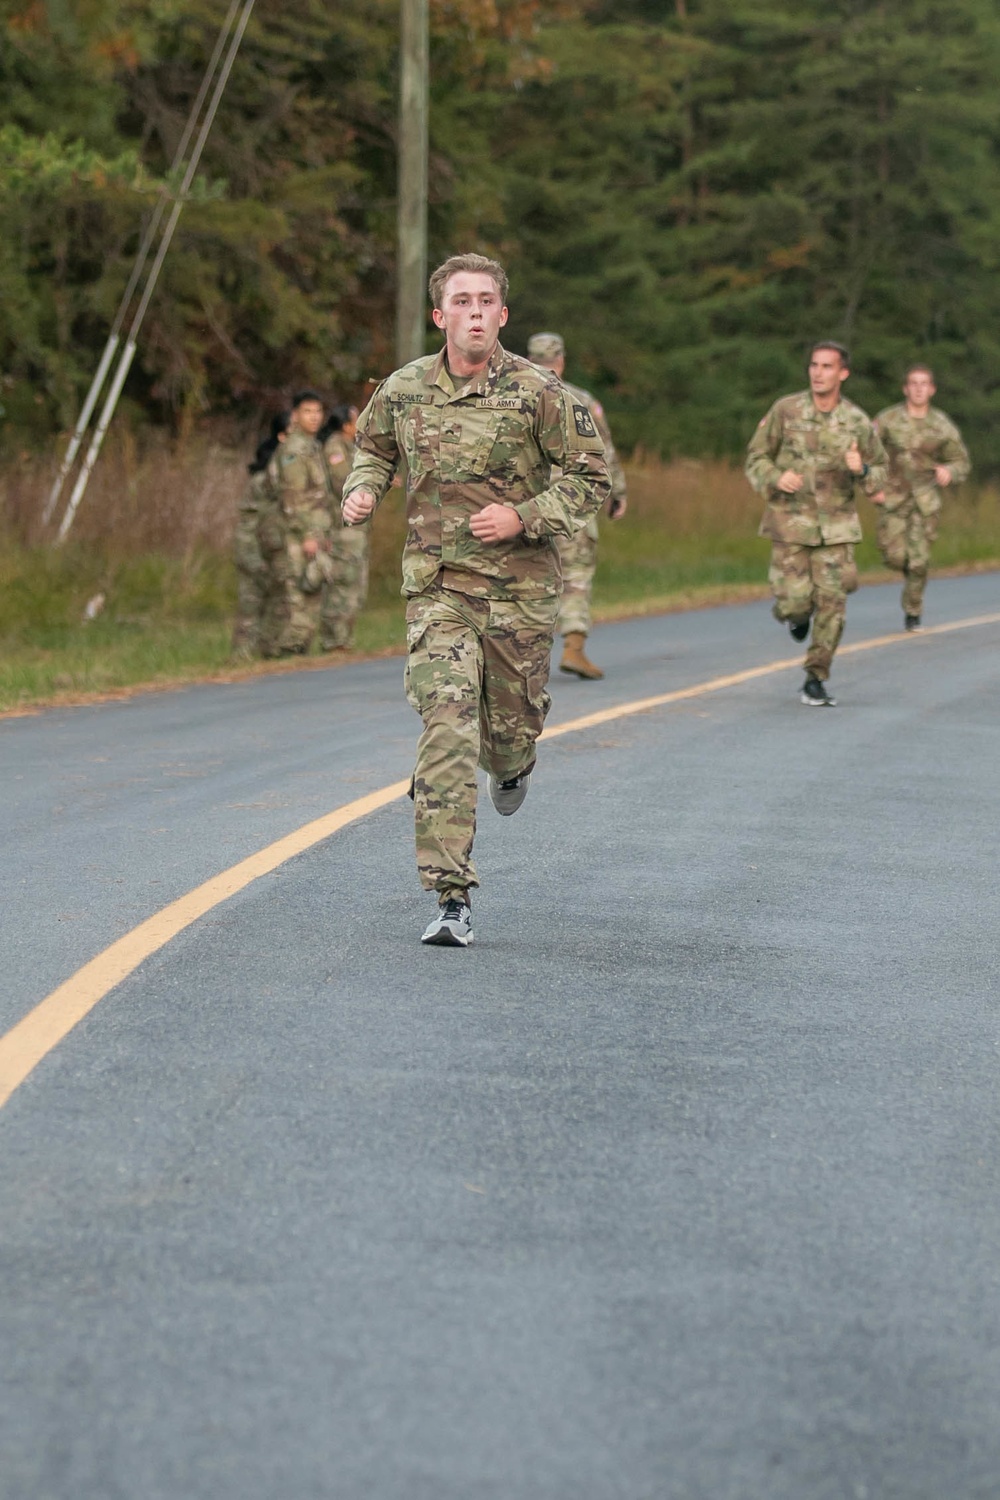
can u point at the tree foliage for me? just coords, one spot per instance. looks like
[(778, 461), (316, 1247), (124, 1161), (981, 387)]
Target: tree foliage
[(689, 191)]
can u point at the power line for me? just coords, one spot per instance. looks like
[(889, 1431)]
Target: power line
[(128, 353)]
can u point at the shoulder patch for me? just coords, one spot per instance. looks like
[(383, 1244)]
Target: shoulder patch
[(584, 422)]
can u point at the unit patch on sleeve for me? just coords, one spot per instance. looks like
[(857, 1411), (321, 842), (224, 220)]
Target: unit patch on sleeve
[(584, 422)]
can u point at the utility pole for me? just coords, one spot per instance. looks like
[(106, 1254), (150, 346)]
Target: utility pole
[(411, 251)]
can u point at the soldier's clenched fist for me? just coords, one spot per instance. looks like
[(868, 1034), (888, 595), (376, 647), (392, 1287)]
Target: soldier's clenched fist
[(496, 523), (358, 506)]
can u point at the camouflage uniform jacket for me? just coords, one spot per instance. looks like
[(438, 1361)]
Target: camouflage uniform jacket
[(916, 445), (339, 454), (301, 494), (467, 444), (795, 435)]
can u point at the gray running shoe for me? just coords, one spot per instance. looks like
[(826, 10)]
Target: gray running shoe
[(814, 693), (452, 927), (507, 796)]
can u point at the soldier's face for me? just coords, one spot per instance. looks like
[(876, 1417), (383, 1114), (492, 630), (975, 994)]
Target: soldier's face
[(919, 388), (471, 314), (308, 417), (827, 372)]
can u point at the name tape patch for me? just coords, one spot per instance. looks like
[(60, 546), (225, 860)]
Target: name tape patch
[(501, 403), (411, 398)]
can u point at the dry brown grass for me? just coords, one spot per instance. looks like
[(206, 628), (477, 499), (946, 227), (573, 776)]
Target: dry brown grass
[(157, 497), (691, 497)]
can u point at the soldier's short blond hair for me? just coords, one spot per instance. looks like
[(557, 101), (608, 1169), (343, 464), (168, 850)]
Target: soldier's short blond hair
[(918, 369), (471, 262)]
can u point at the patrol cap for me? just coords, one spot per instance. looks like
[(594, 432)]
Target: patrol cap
[(545, 346)]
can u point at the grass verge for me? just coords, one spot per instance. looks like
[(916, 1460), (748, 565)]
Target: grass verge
[(688, 541)]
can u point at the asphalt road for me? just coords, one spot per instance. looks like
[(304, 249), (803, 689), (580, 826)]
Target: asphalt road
[(682, 1184)]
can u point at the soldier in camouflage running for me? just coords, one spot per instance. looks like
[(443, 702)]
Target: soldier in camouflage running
[(480, 431), (294, 534), (252, 571), (806, 458), (578, 554), (344, 596), (926, 455)]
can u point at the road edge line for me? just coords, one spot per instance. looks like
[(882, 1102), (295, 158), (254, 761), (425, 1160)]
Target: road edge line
[(38, 1033)]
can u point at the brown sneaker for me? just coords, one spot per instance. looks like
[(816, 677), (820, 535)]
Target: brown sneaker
[(574, 660)]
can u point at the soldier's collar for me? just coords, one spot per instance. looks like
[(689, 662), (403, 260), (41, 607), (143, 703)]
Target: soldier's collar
[(484, 384), (839, 405), (438, 369)]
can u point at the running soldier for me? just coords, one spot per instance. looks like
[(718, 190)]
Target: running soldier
[(481, 431), (806, 458), (252, 571), (926, 455), (578, 554), (344, 596), (294, 534)]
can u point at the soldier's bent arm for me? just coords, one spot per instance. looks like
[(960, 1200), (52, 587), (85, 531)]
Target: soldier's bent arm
[(618, 486), (376, 454), (760, 468), (874, 455), (566, 434), (955, 455)]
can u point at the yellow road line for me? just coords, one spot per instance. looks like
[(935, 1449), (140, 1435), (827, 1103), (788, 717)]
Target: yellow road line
[(24, 1046), (700, 689), (43, 1028)]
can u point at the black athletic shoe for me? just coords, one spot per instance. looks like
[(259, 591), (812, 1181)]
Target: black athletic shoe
[(814, 694), (911, 622), (798, 629), (452, 927)]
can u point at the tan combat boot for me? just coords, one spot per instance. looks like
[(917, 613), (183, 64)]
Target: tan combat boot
[(574, 660)]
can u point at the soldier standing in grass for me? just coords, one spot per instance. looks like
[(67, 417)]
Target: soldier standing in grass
[(252, 571), (578, 554), (926, 455), (481, 431), (294, 533), (806, 458), (344, 596)]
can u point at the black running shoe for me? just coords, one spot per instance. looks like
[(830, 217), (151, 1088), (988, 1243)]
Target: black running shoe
[(798, 629), (911, 622), (814, 694)]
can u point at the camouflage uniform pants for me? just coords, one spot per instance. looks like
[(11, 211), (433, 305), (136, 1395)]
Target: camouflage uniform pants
[(251, 583), (578, 556), (476, 671), (291, 613), (904, 539), (345, 594), (814, 581), (251, 595)]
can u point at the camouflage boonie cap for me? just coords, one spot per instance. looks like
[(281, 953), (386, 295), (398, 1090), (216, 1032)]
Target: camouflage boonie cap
[(317, 571), (545, 346)]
